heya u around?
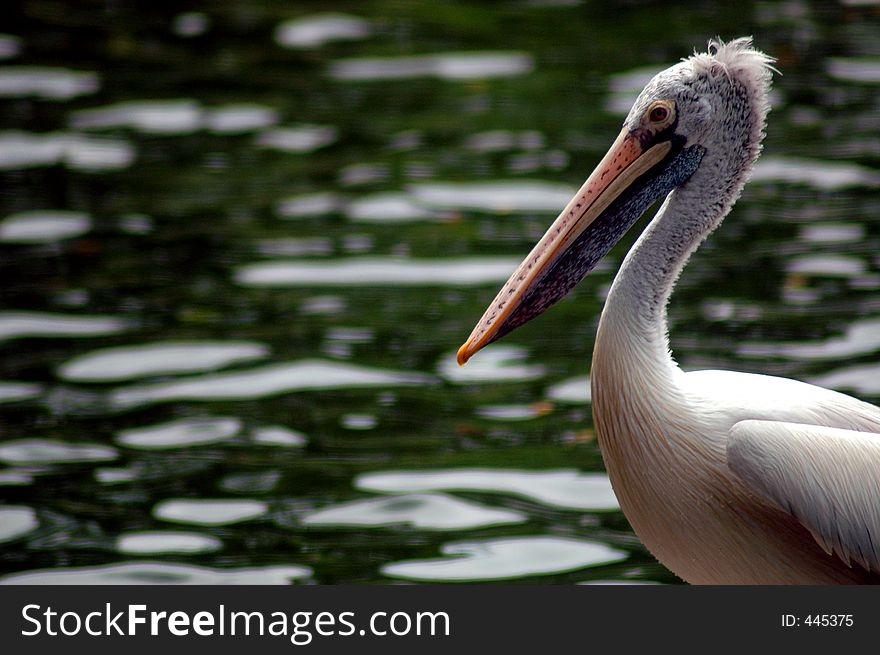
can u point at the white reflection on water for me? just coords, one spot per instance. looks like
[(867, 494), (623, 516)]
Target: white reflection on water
[(300, 139), (513, 412), (16, 478), (309, 205), (251, 483), (822, 175), (861, 337), (204, 511), (374, 271), (181, 433), (116, 475), (323, 305), (174, 117), (144, 573), (363, 174), (446, 66), (830, 233), (358, 421), (507, 196), (575, 390), (20, 150), (864, 379), (309, 246), (826, 265), (166, 542), (500, 363), (46, 83), (49, 451), (43, 226), (422, 511), (240, 118), (10, 46), (271, 380), (17, 325), (625, 87), (278, 435), (865, 70), (144, 360), (563, 488), (149, 116), (502, 559), (501, 140), (388, 207), (318, 29), (190, 24), (16, 521), (13, 392)]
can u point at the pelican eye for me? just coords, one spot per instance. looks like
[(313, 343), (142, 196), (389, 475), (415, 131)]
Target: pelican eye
[(659, 114)]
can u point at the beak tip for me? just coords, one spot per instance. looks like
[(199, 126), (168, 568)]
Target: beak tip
[(463, 354)]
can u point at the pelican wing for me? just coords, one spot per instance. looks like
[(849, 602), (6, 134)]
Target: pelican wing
[(828, 478)]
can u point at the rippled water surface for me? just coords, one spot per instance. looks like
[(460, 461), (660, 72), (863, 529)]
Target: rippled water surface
[(240, 245)]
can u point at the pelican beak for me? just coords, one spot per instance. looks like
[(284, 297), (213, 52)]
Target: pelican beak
[(584, 232)]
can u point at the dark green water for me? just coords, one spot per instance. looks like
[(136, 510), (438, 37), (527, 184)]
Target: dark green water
[(284, 239)]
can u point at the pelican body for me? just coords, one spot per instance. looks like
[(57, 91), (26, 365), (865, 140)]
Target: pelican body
[(726, 477)]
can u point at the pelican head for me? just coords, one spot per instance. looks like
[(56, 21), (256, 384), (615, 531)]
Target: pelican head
[(703, 117)]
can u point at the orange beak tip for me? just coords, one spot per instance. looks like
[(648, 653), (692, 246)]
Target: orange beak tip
[(463, 355)]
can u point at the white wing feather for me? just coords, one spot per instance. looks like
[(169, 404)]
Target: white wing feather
[(828, 478)]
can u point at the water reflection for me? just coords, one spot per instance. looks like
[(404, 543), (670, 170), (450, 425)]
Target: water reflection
[(563, 489), (16, 478), (145, 360), (576, 390), (421, 511), (447, 66), (19, 324), (865, 70), (299, 139), (277, 435), (10, 46), (503, 363), (860, 338), (390, 207), (166, 542), (514, 412), (308, 205), (271, 380), (16, 522), (47, 83), (190, 24), (823, 175), (503, 559), (43, 226), (49, 451), (251, 483), (826, 265), (499, 197), (174, 117), (181, 433), (12, 392), (392, 271), (316, 30), (861, 379), (23, 150), (204, 511), (144, 573), (832, 233)]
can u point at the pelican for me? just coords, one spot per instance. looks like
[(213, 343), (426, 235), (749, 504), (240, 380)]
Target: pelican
[(726, 477)]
